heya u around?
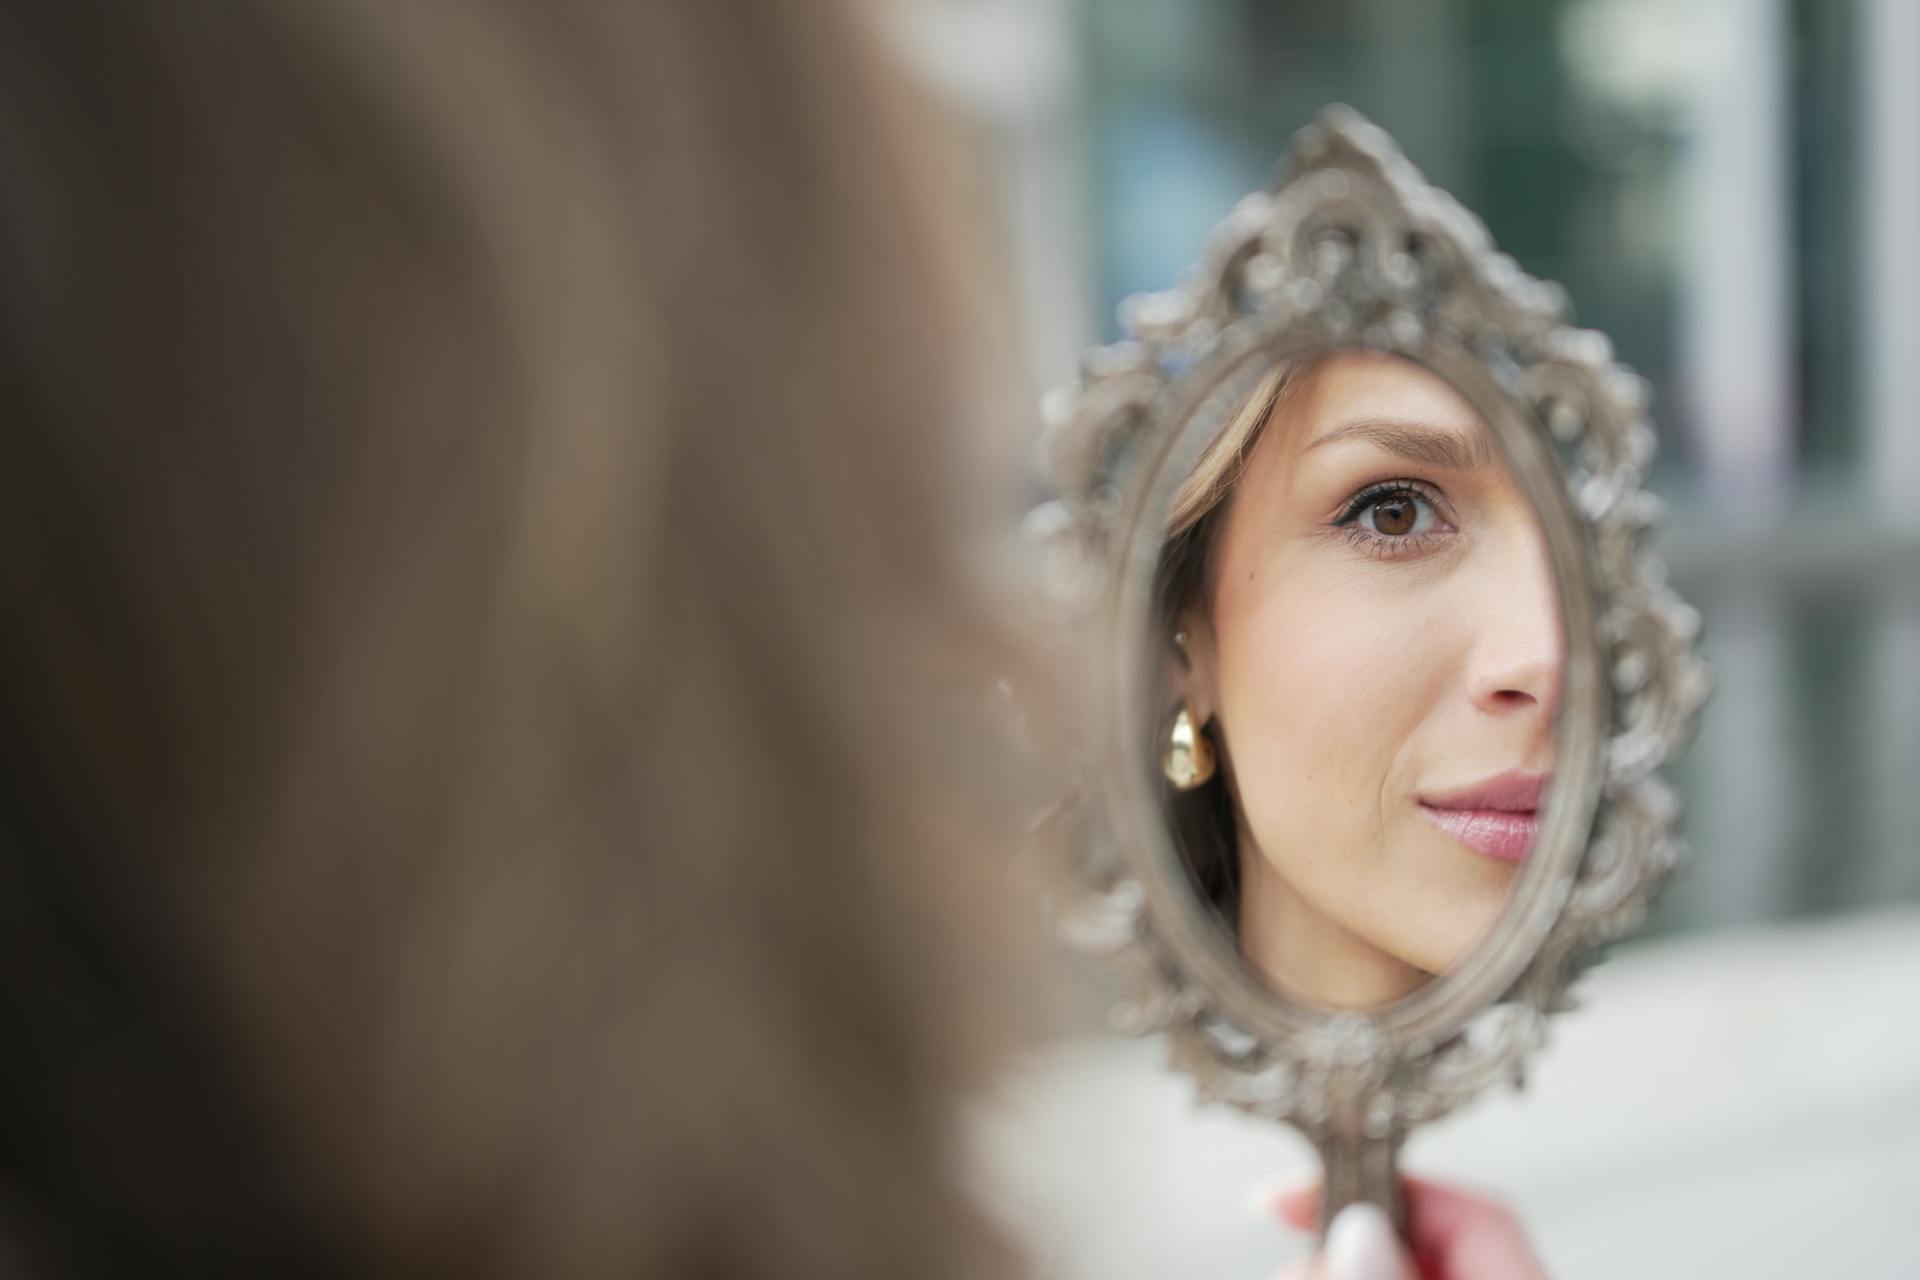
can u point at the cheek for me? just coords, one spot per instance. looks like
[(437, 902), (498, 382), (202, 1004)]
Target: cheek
[(1322, 683)]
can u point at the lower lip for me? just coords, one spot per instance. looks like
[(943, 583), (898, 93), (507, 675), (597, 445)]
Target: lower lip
[(1507, 837)]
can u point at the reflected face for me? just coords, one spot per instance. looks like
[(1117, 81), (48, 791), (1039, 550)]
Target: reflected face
[(1377, 646)]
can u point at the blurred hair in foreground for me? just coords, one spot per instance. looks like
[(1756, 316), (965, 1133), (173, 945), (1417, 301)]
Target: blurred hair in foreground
[(495, 759)]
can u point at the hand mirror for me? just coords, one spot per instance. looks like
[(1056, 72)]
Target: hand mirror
[(1350, 532)]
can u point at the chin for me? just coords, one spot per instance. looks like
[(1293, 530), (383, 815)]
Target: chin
[(1445, 934), (1469, 929)]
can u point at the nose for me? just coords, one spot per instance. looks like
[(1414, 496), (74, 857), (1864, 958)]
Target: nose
[(1518, 654)]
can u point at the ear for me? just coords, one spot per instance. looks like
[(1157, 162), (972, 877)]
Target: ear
[(1191, 665)]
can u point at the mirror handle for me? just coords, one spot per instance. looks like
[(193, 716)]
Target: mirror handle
[(1359, 1167)]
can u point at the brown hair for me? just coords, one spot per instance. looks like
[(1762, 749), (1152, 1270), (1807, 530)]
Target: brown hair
[(491, 781), (1204, 821)]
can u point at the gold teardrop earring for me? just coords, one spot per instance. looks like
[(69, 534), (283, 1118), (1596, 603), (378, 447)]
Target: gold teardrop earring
[(1187, 760)]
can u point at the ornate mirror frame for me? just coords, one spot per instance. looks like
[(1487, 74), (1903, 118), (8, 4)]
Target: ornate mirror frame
[(1353, 248)]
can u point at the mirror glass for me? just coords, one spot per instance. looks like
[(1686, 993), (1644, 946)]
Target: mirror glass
[(1355, 677)]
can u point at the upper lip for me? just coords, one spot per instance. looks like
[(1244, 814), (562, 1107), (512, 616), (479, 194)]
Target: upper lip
[(1510, 792)]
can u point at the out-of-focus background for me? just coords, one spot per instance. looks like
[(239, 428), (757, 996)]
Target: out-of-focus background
[(1731, 190)]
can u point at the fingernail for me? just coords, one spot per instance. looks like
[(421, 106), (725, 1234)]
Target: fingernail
[(1361, 1245)]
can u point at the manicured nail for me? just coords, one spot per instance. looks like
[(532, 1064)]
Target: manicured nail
[(1361, 1245)]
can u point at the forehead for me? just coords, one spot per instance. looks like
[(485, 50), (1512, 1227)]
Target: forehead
[(1352, 387), (1349, 398)]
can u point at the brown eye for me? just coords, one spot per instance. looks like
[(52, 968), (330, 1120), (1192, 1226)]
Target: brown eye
[(1395, 516)]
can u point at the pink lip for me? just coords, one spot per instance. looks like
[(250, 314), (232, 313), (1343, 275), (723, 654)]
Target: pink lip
[(1498, 817)]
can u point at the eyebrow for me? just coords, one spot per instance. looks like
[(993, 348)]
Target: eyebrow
[(1419, 442)]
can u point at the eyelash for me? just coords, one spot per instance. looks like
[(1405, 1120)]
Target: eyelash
[(1379, 545)]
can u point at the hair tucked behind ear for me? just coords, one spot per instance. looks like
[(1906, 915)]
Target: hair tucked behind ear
[(1203, 821), (491, 775)]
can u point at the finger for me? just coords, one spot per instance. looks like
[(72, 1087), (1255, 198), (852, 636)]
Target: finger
[(1463, 1233), (1442, 1207), (1296, 1204)]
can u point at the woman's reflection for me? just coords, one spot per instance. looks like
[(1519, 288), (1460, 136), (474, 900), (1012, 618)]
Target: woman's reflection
[(1365, 661)]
